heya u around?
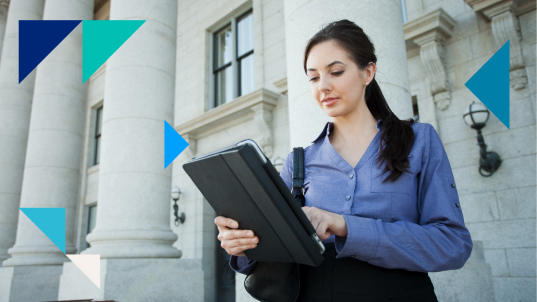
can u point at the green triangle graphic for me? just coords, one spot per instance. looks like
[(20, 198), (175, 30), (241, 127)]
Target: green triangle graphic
[(100, 39)]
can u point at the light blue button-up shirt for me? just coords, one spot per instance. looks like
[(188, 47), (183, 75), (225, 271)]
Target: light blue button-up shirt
[(415, 223)]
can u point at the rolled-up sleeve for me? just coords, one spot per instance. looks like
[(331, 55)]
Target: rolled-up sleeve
[(439, 242), (242, 264)]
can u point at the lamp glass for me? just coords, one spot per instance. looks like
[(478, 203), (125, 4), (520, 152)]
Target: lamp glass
[(175, 193), (479, 112)]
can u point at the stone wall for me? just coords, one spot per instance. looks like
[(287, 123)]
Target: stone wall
[(499, 210)]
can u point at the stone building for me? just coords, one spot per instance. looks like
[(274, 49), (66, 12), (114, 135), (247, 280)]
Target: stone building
[(221, 71)]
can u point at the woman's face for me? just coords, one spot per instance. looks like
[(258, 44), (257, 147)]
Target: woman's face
[(336, 82)]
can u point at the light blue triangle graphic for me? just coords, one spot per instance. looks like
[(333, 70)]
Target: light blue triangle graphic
[(490, 84), (174, 144), (50, 221)]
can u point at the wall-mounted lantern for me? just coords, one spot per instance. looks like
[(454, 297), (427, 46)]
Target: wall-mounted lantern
[(476, 116), (176, 194), (278, 164)]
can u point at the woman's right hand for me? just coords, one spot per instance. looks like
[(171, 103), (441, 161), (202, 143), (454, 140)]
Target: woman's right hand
[(234, 241)]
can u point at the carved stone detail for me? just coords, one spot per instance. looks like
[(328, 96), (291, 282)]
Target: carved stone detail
[(263, 121), (429, 32), (4, 6), (191, 150), (505, 27)]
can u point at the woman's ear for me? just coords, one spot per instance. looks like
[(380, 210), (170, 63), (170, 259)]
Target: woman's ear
[(370, 71)]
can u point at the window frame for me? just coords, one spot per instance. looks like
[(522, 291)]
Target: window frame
[(95, 136), (235, 59), (87, 230)]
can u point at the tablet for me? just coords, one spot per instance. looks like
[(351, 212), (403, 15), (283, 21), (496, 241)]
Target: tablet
[(241, 183)]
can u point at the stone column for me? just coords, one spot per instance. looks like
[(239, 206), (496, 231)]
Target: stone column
[(53, 156), (4, 5), (304, 18), (15, 104), (55, 140), (133, 216)]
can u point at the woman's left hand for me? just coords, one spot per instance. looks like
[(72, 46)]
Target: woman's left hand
[(326, 223)]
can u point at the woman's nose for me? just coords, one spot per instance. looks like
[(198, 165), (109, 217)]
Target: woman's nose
[(324, 85)]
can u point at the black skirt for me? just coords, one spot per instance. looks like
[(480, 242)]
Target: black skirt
[(349, 279)]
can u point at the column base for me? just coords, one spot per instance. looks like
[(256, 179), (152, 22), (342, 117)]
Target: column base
[(133, 244), (37, 255), (29, 283), (137, 280)]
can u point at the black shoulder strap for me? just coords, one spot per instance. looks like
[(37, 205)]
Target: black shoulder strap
[(298, 175)]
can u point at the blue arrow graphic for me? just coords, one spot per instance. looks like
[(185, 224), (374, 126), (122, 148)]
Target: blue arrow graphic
[(174, 144), (490, 84), (50, 221)]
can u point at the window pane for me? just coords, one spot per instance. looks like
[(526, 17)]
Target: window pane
[(97, 150), (224, 88), (247, 74), (99, 121), (222, 46), (92, 219), (245, 35)]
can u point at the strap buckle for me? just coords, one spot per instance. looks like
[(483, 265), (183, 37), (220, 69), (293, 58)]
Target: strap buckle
[(303, 191)]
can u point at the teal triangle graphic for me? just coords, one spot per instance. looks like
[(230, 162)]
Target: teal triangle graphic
[(101, 38), (490, 84), (50, 221)]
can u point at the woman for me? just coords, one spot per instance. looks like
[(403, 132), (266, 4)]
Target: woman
[(379, 191)]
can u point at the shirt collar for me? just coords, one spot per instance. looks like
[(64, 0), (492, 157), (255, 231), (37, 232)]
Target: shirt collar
[(330, 126)]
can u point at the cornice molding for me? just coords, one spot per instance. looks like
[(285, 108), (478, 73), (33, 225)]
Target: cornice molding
[(281, 85), (257, 105)]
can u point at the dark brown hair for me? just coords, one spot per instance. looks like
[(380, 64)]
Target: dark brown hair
[(397, 135)]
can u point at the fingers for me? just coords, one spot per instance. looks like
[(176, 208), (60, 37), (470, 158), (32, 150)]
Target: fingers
[(320, 221), (223, 222), (227, 234), (236, 247)]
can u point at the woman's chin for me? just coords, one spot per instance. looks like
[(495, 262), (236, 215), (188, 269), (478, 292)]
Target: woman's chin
[(332, 112)]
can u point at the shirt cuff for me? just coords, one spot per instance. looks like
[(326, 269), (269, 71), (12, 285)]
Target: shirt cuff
[(242, 264), (362, 239)]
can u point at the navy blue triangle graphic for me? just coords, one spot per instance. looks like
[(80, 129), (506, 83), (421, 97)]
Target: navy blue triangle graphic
[(37, 38)]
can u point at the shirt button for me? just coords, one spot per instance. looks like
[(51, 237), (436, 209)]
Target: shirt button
[(453, 185), (348, 197), (353, 256), (457, 205), (351, 176)]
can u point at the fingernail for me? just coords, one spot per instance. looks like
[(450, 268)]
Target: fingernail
[(250, 234), (234, 224), (254, 239)]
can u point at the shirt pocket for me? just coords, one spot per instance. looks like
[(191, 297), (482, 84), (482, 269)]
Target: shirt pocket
[(403, 185)]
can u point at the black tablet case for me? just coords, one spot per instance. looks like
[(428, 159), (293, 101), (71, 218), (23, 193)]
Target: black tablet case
[(238, 185)]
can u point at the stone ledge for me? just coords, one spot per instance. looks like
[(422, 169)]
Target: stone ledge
[(437, 21), (257, 105)]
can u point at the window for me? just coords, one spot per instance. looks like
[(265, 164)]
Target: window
[(415, 109), (97, 136), (233, 59), (92, 218)]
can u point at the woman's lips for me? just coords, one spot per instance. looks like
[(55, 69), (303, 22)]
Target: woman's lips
[(330, 102)]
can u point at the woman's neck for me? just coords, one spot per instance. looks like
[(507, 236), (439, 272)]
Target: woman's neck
[(356, 126)]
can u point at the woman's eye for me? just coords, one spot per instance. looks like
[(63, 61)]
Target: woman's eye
[(337, 73), (313, 79)]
